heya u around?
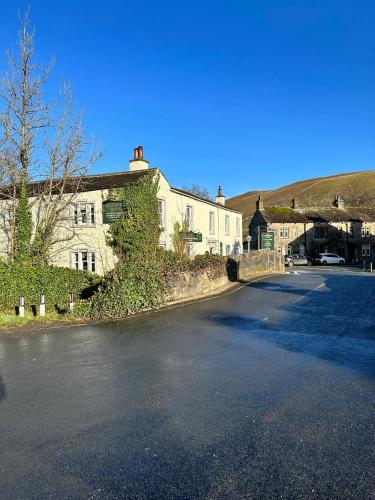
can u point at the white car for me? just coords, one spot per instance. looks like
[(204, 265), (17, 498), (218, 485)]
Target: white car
[(329, 258)]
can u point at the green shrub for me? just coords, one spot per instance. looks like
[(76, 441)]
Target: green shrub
[(174, 263), (130, 289), (31, 281)]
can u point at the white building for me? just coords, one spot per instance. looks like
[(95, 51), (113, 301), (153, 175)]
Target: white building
[(214, 227)]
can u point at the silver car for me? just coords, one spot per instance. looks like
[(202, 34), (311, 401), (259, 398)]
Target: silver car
[(297, 260), (329, 258)]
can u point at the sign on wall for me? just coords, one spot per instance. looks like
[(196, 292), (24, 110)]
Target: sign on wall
[(267, 241), (112, 211), (190, 236)]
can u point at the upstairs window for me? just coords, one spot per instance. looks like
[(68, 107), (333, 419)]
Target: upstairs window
[(83, 214), (161, 210), (284, 232), (238, 226), (365, 231), (189, 217), (211, 222), (227, 232), (321, 232)]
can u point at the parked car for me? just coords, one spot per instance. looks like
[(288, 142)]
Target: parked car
[(329, 258), (297, 260)]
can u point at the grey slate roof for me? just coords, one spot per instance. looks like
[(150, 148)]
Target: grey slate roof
[(285, 215), (86, 183)]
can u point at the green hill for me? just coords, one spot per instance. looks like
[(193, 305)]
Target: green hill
[(357, 190)]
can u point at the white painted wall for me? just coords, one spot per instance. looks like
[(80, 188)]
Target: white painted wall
[(91, 238)]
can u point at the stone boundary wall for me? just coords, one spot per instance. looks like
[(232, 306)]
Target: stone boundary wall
[(258, 262), (188, 285)]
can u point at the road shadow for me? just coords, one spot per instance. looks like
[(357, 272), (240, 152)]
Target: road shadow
[(335, 323), (3, 392)]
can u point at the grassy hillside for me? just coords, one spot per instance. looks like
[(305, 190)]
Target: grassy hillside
[(357, 190)]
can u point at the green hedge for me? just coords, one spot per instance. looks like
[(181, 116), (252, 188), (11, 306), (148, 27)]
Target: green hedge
[(54, 282), (174, 263)]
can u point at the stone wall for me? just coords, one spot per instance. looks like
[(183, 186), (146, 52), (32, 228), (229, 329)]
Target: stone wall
[(192, 285), (258, 262)]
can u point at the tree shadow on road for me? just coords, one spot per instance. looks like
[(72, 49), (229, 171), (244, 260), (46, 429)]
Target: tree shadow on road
[(335, 323), (3, 392)]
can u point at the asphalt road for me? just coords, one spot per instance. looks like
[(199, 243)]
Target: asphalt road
[(267, 392)]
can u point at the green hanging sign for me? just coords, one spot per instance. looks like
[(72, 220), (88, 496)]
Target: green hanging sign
[(190, 236), (113, 211)]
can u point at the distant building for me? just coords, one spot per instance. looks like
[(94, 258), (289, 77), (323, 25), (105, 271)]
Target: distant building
[(213, 227), (349, 232)]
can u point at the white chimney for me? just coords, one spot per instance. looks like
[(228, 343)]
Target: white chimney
[(220, 198), (138, 162)]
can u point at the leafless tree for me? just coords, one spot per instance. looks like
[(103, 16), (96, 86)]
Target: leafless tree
[(34, 129)]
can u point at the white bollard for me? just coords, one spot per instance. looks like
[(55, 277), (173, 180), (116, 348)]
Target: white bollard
[(21, 307), (71, 301), (42, 305)]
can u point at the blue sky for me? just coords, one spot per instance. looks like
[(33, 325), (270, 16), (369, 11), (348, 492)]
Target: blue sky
[(246, 93)]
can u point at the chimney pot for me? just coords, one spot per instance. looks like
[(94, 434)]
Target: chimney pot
[(259, 203), (220, 198), (138, 162)]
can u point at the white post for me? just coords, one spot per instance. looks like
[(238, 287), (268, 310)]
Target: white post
[(21, 307), (42, 305), (248, 243), (71, 301)]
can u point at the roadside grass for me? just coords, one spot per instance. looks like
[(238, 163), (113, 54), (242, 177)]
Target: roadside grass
[(10, 319)]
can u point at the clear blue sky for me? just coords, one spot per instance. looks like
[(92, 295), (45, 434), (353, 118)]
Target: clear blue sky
[(247, 93)]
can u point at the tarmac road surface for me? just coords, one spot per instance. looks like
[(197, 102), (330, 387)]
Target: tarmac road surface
[(266, 392)]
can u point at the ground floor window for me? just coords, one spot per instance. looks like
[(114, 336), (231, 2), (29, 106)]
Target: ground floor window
[(366, 250), (189, 250), (289, 249), (211, 248), (84, 260), (227, 249)]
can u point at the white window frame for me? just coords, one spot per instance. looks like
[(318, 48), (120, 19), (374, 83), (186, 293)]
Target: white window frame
[(211, 222), (284, 232), (366, 250), (189, 250), (81, 208), (212, 247), (189, 217), (238, 226), (366, 231), (227, 225), (227, 250), (77, 260), (161, 211)]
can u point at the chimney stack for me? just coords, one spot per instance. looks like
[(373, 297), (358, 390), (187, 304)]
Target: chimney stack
[(294, 203), (339, 202), (259, 204), (138, 162), (220, 198)]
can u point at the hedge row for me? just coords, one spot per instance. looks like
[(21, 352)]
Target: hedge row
[(55, 282)]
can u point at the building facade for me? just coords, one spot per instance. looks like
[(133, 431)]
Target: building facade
[(212, 227), (349, 232)]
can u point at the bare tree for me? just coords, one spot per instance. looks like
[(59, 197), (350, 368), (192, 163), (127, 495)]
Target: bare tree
[(34, 128), (198, 190)]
